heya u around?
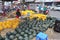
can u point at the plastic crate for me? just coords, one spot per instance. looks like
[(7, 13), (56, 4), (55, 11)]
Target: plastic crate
[(42, 36)]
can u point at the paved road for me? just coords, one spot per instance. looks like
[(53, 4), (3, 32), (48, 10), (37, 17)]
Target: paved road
[(54, 14)]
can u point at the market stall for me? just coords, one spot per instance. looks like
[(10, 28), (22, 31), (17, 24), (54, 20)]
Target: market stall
[(28, 29)]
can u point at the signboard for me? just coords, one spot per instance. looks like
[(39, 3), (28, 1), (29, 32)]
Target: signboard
[(39, 0), (48, 0), (44, 0), (7, 3), (29, 0), (19, 1)]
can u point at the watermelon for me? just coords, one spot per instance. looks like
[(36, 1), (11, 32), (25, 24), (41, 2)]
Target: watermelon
[(11, 37)]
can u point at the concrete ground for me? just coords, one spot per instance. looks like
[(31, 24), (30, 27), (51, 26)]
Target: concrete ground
[(53, 35), (54, 14)]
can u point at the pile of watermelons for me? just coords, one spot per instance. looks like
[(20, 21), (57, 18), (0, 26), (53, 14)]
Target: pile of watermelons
[(29, 29)]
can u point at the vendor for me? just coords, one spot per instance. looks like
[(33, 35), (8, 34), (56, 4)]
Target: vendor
[(40, 9), (45, 9), (18, 14)]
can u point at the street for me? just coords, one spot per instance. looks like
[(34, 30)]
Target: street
[(53, 35), (54, 14)]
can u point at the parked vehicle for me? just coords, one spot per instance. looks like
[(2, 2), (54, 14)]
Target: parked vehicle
[(57, 26), (57, 7), (51, 8)]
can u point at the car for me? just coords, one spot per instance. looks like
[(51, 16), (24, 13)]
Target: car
[(57, 7)]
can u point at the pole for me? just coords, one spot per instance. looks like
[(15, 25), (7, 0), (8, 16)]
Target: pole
[(43, 3), (23, 4), (3, 4), (34, 5)]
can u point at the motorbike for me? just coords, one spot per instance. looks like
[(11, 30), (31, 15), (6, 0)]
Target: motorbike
[(57, 26), (46, 12)]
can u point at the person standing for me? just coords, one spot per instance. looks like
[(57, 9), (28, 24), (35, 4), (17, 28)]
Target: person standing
[(45, 9), (28, 7), (18, 14), (37, 9), (40, 9), (25, 7)]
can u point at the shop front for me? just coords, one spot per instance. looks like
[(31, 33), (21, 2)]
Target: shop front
[(56, 0), (48, 2)]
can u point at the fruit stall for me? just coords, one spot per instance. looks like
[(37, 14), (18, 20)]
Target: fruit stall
[(25, 28)]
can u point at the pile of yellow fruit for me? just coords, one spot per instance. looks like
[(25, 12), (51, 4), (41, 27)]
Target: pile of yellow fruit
[(24, 13), (9, 24), (39, 16)]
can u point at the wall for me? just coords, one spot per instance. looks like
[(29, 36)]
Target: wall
[(0, 6), (56, 0)]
